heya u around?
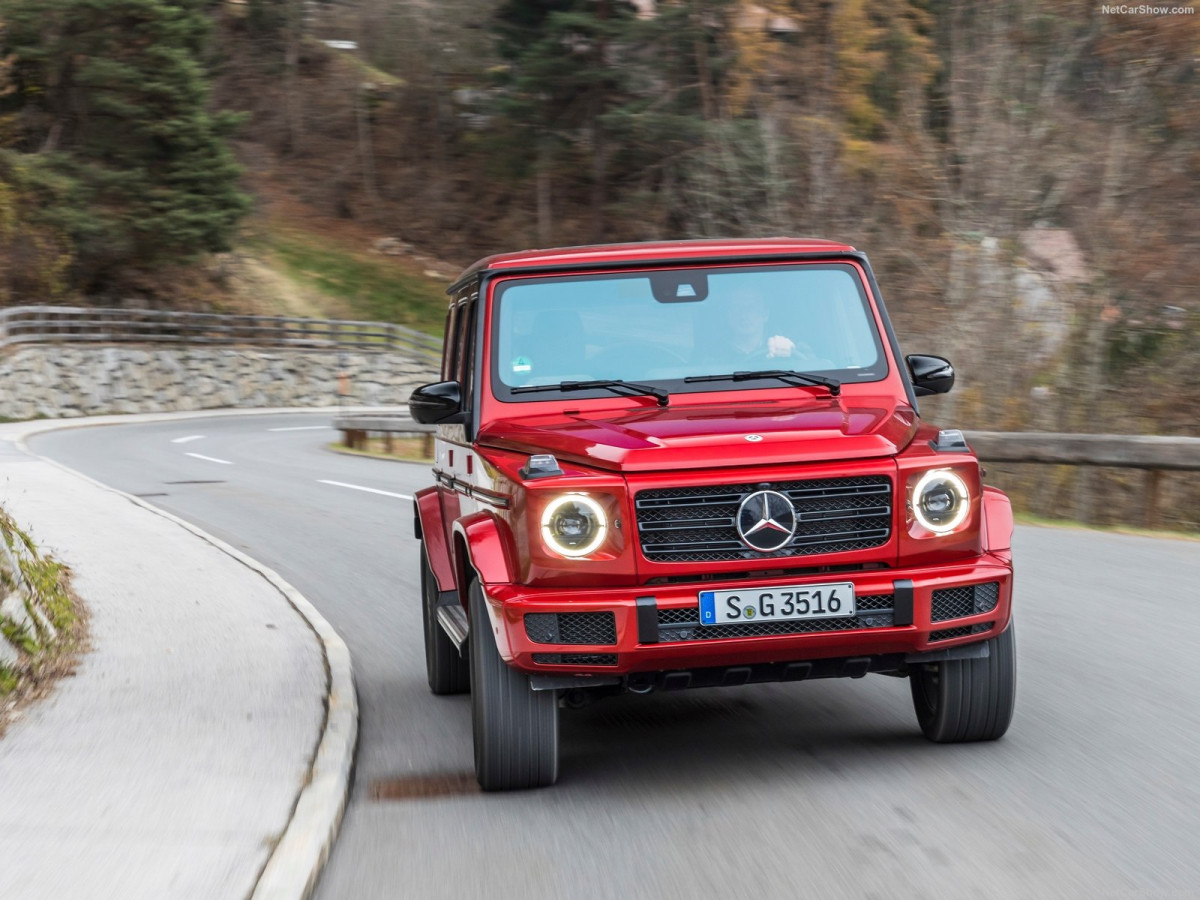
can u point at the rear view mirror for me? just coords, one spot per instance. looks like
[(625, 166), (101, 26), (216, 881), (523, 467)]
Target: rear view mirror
[(930, 374), (437, 404), (679, 287)]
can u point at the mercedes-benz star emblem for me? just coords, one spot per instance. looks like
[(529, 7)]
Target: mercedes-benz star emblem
[(766, 521)]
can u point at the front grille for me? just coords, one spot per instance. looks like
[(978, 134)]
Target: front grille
[(571, 628), (966, 631), (675, 625), (987, 596), (700, 524), (688, 615), (875, 601), (575, 659), (969, 600)]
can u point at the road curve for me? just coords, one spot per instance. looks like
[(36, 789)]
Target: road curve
[(822, 789)]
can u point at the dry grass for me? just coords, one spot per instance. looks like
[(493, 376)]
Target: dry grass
[(37, 677)]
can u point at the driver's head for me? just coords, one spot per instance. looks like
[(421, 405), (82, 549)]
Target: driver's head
[(746, 313)]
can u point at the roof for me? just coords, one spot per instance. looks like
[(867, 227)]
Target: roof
[(653, 251)]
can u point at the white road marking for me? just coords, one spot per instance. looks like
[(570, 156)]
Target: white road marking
[(304, 428), (359, 487), (223, 462), (190, 437)]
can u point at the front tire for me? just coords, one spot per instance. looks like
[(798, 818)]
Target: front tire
[(968, 699), (445, 667), (515, 727)]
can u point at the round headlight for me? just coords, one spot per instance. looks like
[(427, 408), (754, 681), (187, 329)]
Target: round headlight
[(573, 525), (940, 501)]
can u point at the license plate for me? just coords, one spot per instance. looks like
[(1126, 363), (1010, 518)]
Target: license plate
[(777, 604)]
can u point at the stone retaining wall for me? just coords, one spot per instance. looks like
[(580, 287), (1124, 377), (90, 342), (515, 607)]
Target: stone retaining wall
[(55, 381)]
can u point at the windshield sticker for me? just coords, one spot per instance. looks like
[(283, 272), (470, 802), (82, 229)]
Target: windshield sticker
[(522, 364)]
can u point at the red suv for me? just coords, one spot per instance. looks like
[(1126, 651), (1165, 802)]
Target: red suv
[(674, 465)]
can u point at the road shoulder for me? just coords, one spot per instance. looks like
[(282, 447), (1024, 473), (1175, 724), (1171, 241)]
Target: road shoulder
[(205, 746)]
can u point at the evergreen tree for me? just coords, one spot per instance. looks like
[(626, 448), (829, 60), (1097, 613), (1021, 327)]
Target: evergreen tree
[(112, 132), (564, 76)]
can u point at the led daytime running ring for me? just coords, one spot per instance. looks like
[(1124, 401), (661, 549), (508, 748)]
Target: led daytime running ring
[(957, 485), (592, 506)]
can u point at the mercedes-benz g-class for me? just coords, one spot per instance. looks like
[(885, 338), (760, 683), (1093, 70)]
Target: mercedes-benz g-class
[(676, 465)]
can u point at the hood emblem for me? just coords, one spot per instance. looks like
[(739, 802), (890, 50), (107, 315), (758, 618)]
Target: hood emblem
[(754, 438), (766, 521)]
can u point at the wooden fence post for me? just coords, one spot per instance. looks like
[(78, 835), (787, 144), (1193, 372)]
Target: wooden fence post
[(1153, 485)]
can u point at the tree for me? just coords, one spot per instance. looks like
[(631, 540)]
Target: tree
[(564, 75), (112, 134)]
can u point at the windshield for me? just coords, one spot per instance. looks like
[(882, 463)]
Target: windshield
[(665, 326)]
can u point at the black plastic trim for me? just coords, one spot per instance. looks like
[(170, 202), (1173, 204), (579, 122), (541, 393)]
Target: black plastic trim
[(905, 378), (947, 443), (758, 673), (902, 604), (483, 495), (982, 650), (539, 682), (647, 620), (736, 676), (476, 303), (532, 474), (797, 671)]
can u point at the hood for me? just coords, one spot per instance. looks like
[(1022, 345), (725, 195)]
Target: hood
[(709, 436)]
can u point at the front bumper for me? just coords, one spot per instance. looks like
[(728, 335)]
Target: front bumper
[(653, 629)]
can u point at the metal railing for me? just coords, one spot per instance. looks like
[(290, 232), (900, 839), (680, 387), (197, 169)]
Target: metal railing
[(1152, 453), (73, 324), (356, 429), (1134, 451)]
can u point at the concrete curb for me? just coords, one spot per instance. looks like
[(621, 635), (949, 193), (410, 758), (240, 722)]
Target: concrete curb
[(294, 865)]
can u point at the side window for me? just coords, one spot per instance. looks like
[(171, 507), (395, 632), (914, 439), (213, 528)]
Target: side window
[(466, 346), (450, 345)]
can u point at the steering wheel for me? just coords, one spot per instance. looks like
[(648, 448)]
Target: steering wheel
[(802, 356)]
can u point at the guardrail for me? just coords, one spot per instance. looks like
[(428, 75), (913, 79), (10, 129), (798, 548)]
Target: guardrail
[(356, 429), (73, 324), (1153, 453), (1133, 451)]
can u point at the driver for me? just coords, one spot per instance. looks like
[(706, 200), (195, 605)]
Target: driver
[(747, 320)]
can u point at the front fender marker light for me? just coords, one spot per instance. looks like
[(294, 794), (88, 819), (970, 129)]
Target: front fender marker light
[(574, 525)]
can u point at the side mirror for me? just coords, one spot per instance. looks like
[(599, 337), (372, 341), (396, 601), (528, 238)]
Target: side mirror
[(437, 404), (930, 374)]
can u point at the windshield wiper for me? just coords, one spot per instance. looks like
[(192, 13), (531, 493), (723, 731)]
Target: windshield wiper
[(797, 378), (616, 385)]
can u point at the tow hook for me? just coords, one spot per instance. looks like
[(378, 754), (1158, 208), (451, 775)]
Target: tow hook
[(640, 683)]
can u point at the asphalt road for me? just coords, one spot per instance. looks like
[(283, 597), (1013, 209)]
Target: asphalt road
[(824, 789)]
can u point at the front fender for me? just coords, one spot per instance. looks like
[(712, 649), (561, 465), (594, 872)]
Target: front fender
[(483, 546), (427, 512), (997, 522), (483, 542)]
